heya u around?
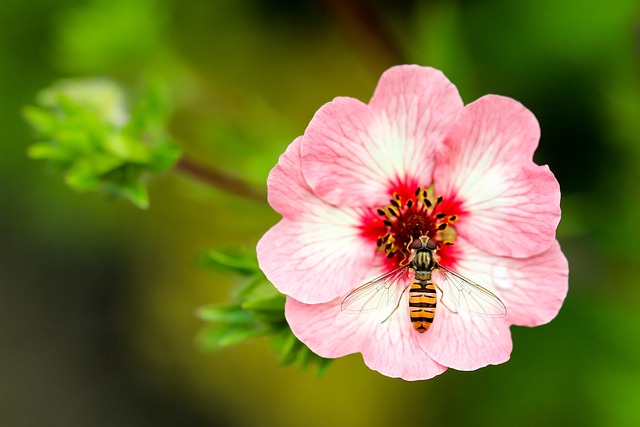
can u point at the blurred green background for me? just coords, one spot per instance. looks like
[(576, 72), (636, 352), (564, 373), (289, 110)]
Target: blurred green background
[(97, 298)]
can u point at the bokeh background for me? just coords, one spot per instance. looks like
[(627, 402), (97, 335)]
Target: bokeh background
[(97, 298)]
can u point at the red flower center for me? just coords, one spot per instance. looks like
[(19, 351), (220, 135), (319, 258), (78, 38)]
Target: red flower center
[(406, 218)]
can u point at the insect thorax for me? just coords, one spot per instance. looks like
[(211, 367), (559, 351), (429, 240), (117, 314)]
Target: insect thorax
[(423, 261)]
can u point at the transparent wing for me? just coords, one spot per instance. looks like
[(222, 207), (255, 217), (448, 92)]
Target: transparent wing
[(468, 296), (375, 294)]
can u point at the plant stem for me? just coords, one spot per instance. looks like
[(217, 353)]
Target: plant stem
[(219, 179), (361, 24)]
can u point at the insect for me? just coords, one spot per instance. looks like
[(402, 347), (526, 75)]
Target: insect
[(460, 291)]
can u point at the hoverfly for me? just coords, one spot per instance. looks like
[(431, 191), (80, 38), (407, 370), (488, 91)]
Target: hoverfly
[(465, 294)]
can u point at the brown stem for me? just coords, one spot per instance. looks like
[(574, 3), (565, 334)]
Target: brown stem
[(360, 23), (220, 179)]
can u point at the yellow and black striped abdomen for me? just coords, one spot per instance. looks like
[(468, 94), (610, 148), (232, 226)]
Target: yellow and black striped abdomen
[(422, 303)]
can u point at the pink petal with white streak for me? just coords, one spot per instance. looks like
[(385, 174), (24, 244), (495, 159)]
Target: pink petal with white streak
[(532, 289), (315, 252), (354, 153), (510, 206), (466, 342), (390, 348)]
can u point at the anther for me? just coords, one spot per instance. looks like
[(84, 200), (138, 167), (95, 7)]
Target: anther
[(381, 212), (395, 203), (441, 215), (379, 241), (409, 203), (427, 203), (453, 218), (391, 254), (448, 242), (387, 223), (392, 211), (443, 226), (396, 195), (438, 200), (418, 190)]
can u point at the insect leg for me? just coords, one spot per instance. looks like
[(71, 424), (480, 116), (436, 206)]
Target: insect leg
[(453, 311), (398, 304)]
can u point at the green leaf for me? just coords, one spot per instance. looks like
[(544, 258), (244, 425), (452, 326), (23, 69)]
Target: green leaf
[(289, 348), (258, 310), (43, 121), (82, 177), (164, 156), (127, 149), (87, 131), (237, 261), (136, 192), (215, 338), (229, 314), (46, 150), (271, 303)]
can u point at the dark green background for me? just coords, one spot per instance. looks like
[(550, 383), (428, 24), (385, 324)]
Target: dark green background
[(97, 299)]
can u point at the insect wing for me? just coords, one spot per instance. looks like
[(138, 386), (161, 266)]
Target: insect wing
[(468, 296), (375, 294)]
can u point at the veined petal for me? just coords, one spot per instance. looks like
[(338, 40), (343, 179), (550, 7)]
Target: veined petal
[(466, 342), (390, 348), (314, 258), (289, 194), (509, 205), (533, 289), (315, 252), (354, 153)]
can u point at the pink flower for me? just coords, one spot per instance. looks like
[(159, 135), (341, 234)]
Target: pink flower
[(351, 192)]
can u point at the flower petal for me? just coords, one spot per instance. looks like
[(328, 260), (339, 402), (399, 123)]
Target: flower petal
[(289, 194), (390, 348), (353, 154), (509, 205), (533, 289), (539, 285), (312, 259), (466, 342), (315, 252)]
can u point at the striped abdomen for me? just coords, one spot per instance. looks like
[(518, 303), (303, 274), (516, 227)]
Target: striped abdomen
[(422, 302)]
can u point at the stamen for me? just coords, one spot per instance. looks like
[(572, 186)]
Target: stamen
[(407, 219)]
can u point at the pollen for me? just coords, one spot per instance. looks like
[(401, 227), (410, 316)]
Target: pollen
[(420, 214)]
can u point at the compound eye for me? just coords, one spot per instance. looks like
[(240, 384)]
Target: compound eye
[(416, 244), (432, 245)]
